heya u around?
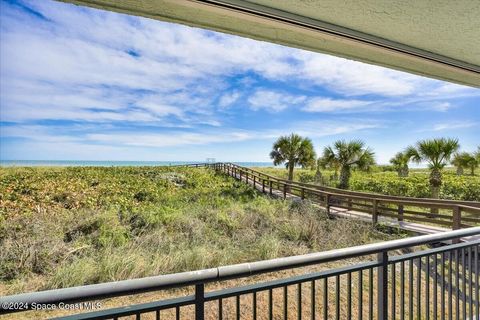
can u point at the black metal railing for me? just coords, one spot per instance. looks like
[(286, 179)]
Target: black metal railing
[(399, 279)]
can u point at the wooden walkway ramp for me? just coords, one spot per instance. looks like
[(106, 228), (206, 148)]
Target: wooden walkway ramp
[(418, 216)]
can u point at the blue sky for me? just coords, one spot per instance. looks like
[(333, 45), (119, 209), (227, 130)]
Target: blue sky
[(83, 84)]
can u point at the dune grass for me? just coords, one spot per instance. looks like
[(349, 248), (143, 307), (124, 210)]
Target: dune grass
[(63, 227)]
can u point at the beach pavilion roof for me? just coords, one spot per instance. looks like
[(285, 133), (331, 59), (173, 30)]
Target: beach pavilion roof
[(439, 39)]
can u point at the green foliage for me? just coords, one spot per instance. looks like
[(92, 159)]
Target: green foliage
[(293, 150), (72, 226), (347, 156), (387, 182)]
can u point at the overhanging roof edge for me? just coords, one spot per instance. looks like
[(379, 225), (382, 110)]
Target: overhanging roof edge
[(258, 22)]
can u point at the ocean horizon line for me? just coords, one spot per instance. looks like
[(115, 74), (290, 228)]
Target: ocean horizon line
[(116, 163)]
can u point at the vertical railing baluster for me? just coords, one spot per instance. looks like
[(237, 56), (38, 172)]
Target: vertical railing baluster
[(237, 304), (393, 303), (477, 282), (312, 300), (199, 301), (435, 284), (254, 307), (177, 312), (382, 286), (299, 301), (370, 294), (157, 315), (220, 309), (349, 295), (457, 283), (410, 289), (470, 275), (337, 297), (285, 302), (270, 304), (427, 287), (325, 299), (419, 289), (450, 285), (402, 291), (464, 286), (360, 295), (443, 288)]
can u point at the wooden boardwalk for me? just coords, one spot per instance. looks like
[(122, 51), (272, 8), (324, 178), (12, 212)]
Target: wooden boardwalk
[(339, 212)]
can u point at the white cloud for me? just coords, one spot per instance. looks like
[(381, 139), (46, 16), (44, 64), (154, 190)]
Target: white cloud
[(453, 125), (273, 101), (327, 105), (228, 99)]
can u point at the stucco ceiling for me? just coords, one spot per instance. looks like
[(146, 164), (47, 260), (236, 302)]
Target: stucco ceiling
[(438, 39)]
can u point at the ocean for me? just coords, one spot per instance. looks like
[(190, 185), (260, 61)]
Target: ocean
[(82, 163)]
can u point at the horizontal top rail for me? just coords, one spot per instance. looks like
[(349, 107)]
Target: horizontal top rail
[(127, 287)]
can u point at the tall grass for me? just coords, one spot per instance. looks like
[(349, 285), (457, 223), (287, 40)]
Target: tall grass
[(63, 227)]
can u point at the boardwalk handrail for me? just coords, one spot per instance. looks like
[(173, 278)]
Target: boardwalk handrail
[(200, 277), (357, 193), (461, 213)]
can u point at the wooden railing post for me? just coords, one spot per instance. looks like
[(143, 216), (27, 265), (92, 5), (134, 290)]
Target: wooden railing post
[(240, 175), (271, 186), (263, 185), (400, 212), (375, 211), (327, 203), (303, 193), (457, 222), (284, 190), (246, 177), (254, 182)]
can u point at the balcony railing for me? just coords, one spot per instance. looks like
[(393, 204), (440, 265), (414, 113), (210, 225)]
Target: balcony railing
[(399, 279)]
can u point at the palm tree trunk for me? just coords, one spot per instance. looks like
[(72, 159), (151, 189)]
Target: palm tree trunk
[(405, 171), (435, 183), (290, 171), (344, 177), (459, 171)]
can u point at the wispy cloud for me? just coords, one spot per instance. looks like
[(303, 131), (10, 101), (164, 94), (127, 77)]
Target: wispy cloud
[(328, 104), (273, 101), (454, 125)]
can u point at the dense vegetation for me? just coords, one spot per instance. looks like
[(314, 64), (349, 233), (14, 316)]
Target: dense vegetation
[(69, 226), (385, 180)]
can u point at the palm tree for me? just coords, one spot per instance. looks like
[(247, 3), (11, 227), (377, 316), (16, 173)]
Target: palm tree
[(400, 163), (437, 153), (348, 155), (473, 162), (293, 150), (461, 161)]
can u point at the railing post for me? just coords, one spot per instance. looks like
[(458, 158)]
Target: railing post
[(375, 211), (263, 185), (327, 203), (400, 212), (303, 193), (240, 175), (271, 186), (254, 182), (456, 218), (199, 301), (382, 286), (246, 177), (284, 191)]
